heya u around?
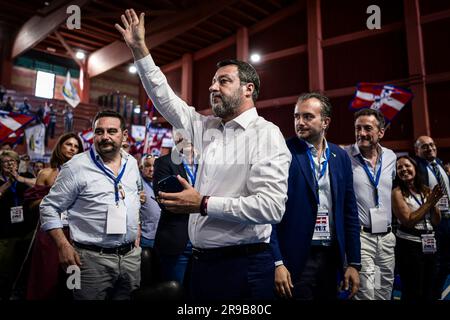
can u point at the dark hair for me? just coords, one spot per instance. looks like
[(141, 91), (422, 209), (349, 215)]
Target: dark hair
[(326, 108), (246, 72), (371, 112), (112, 114), (419, 185), (57, 157)]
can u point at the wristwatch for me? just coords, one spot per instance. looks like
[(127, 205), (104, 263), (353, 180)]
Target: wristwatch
[(204, 206)]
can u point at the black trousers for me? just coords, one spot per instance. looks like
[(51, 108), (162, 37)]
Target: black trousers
[(443, 255), (417, 271), (318, 279), (233, 277)]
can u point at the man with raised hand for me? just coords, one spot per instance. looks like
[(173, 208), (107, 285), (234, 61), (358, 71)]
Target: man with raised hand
[(242, 175)]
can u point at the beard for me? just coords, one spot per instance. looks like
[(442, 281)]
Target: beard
[(227, 106), (107, 148)]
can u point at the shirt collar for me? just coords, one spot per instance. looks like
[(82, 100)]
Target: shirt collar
[(355, 150), (314, 150), (123, 154), (244, 119)]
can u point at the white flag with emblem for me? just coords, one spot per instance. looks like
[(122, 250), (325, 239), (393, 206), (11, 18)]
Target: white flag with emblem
[(70, 92)]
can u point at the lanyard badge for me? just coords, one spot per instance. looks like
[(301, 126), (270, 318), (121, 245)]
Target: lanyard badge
[(322, 171), (118, 189)]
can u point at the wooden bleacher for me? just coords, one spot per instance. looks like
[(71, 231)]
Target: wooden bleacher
[(83, 115)]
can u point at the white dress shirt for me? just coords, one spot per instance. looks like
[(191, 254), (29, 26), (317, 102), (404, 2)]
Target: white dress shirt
[(243, 166), (365, 191), (324, 188)]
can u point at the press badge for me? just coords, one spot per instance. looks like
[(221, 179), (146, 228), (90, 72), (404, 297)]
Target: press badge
[(64, 218), (117, 219), (443, 203), (378, 220), (322, 228), (16, 214), (428, 243)]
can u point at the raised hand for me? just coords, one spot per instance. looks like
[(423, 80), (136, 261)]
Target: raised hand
[(133, 32)]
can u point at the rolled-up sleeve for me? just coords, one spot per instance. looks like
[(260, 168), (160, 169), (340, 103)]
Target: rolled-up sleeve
[(62, 194)]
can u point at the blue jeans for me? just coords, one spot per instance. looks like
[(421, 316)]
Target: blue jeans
[(173, 267)]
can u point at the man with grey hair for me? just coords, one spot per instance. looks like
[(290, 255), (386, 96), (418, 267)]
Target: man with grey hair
[(320, 228), (433, 173), (373, 173), (241, 185)]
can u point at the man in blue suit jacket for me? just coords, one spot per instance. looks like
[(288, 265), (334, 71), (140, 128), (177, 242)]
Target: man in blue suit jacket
[(319, 232)]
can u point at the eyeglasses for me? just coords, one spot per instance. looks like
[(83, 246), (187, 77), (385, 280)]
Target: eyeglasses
[(8, 161), (427, 145)]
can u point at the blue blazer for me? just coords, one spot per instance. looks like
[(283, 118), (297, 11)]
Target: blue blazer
[(291, 238)]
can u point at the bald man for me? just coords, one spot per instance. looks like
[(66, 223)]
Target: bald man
[(432, 170)]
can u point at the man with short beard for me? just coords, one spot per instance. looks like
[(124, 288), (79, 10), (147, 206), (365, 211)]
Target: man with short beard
[(241, 182), (433, 173), (99, 190), (373, 174), (318, 236)]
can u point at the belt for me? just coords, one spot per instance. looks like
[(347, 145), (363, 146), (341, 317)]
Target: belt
[(369, 230), (120, 250), (230, 251), (414, 232)]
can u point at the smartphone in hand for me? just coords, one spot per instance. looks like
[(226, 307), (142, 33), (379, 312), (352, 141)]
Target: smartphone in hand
[(170, 184)]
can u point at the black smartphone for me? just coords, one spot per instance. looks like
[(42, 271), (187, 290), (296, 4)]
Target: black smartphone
[(170, 184)]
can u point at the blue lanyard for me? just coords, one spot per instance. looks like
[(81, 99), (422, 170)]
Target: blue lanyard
[(373, 181), (13, 189), (192, 175), (417, 200), (313, 168), (115, 180)]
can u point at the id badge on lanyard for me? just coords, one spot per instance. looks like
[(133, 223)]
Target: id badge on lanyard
[(443, 203), (116, 222), (64, 218), (428, 243), (322, 227), (16, 214)]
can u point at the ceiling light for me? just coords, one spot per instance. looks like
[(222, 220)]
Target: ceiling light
[(255, 58), (132, 69), (80, 55)]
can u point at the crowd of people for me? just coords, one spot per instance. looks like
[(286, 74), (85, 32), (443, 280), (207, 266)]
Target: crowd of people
[(46, 114), (255, 217)]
